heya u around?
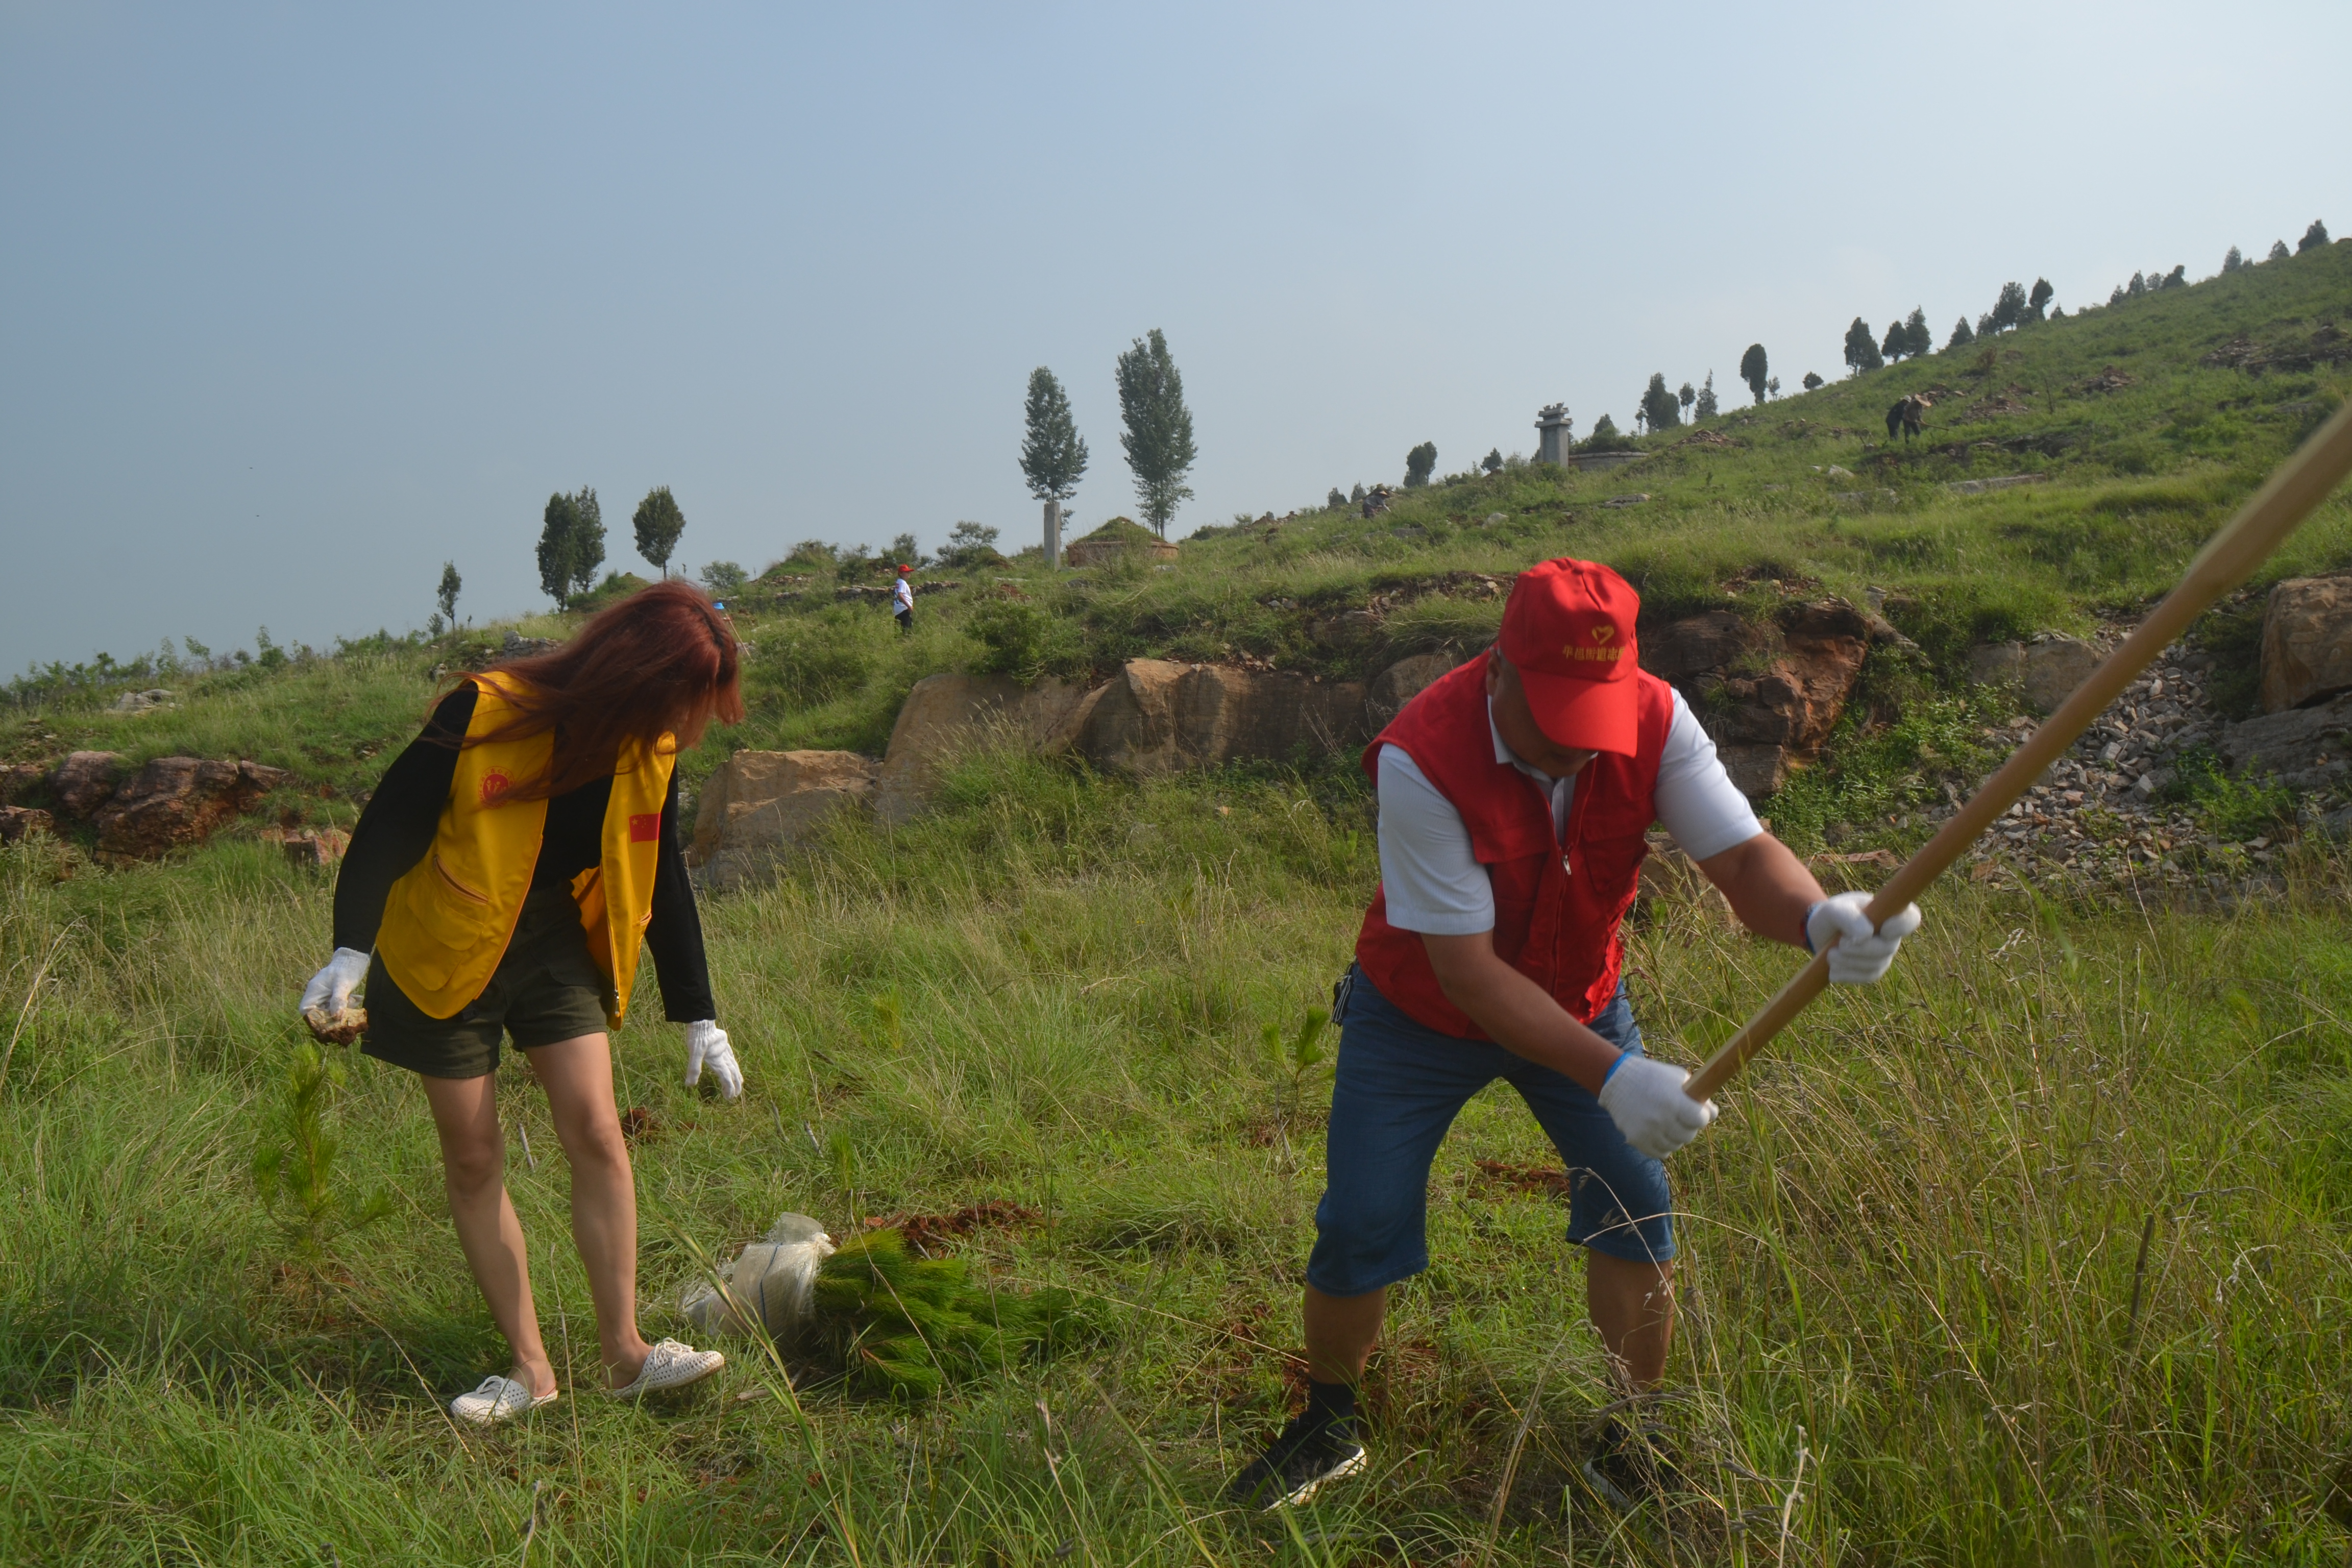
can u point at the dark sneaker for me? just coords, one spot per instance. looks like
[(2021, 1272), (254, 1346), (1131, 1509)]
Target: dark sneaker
[(1628, 1466), (1296, 1465)]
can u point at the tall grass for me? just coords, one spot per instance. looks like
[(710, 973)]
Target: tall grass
[(2032, 1253)]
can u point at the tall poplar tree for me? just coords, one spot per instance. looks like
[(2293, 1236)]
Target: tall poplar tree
[(658, 522), (1053, 456), (1157, 439)]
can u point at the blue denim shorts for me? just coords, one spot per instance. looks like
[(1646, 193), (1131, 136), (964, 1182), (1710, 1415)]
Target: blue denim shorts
[(1400, 1086)]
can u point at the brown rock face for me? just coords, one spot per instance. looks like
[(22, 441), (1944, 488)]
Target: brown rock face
[(176, 801), (1398, 684), (946, 716), (85, 780), (1159, 717), (18, 822), (318, 849), (2306, 642), (764, 803), (22, 780), (2298, 743), (2046, 669), (1770, 693)]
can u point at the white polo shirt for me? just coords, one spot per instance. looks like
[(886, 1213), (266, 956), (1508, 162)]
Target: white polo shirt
[(1432, 876)]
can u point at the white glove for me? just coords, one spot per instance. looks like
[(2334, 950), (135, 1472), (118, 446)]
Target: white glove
[(1646, 1101), (1861, 955), (331, 989), (706, 1046)]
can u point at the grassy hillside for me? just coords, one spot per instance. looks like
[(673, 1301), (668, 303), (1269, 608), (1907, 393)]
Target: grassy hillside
[(2036, 1254)]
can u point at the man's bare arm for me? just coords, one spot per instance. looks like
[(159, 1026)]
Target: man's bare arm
[(1768, 886), (1516, 1013)]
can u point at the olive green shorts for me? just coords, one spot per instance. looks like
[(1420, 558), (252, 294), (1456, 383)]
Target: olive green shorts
[(545, 989)]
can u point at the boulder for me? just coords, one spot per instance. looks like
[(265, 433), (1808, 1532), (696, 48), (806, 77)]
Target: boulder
[(946, 716), (1756, 771), (143, 701), (2306, 642), (177, 801), (2306, 747), (317, 849), (18, 821), (21, 781), (85, 780), (761, 805), (1695, 643), (1398, 684), (2046, 669), (1158, 717), (1768, 692)]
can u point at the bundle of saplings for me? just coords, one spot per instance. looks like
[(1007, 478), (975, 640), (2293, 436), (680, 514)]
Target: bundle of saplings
[(905, 1327)]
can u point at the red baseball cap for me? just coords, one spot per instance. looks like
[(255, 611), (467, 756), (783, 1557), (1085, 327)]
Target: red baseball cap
[(904, 570), (1569, 631)]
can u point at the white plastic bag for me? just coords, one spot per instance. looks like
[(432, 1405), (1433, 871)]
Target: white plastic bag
[(768, 1285)]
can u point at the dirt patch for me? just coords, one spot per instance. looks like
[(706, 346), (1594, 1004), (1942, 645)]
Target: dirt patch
[(2329, 345), (1705, 438), (929, 1234), (2108, 380), (1496, 1177)]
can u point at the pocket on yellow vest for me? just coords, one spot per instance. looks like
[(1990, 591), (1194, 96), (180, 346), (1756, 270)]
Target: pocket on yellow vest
[(448, 922)]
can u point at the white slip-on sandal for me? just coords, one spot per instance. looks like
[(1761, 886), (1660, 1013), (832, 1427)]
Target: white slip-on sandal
[(671, 1365), (497, 1400)]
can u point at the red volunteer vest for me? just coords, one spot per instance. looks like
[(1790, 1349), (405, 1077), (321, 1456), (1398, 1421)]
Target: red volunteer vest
[(1556, 904)]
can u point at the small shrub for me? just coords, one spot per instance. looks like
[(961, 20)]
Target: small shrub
[(2229, 808), (906, 1327), (293, 1164), (1021, 640)]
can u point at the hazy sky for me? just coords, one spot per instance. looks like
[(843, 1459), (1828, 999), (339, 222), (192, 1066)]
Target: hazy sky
[(298, 301)]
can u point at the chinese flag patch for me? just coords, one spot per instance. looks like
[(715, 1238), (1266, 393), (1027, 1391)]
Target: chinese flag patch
[(645, 828)]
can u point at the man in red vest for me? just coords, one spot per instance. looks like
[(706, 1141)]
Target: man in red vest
[(1514, 797)]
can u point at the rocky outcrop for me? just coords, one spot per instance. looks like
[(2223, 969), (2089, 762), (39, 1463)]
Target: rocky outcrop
[(1768, 692), (84, 781), (765, 805), (2046, 669), (1398, 684), (2307, 748), (177, 801), (946, 716), (1158, 717), (318, 849), (2306, 642)]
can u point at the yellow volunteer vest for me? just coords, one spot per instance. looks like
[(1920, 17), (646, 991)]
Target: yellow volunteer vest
[(447, 922)]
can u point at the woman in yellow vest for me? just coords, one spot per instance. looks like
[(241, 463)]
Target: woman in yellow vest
[(506, 873)]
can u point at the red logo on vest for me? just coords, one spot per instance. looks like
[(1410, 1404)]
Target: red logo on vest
[(494, 784), (645, 828)]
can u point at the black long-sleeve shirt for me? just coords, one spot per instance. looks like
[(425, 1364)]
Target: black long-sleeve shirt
[(397, 828)]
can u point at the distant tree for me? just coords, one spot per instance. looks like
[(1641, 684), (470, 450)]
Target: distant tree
[(1604, 434), (2057, 312), (1861, 348), (1053, 457), (1419, 464), (2009, 308), (658, 523), (1492, 461), (1986, 326), (724, 578), (1706, 404), (571, 543), (2136, 287), (2232, 261), (2176, 279), (1640, 419), (1686, 394), (1338, 500), (1658, 405), (905, 552), (446, 594), (2278, 251), (1772, 387), (1756, 369), (1356, 496), (2313, 237), (969, 545), (1157, 439), (2117, 296), (2037, 304), (1962, 335), (1917, 340), (1897, 342), (1812, 381)]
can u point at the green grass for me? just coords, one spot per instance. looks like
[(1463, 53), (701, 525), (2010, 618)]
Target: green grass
[(1912, 1241)]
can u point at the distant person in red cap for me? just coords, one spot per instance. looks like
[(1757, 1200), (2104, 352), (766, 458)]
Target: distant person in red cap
[(1514, 796), (902, 601)]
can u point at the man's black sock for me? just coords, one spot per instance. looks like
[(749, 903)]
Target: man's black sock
[(1333, 1405)]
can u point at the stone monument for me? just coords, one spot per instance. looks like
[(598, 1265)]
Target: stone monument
[(1552, 434)]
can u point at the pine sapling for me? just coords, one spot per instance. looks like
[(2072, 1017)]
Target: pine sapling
[(294, 1164)]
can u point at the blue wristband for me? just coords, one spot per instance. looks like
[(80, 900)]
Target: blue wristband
[(1622, 1057)]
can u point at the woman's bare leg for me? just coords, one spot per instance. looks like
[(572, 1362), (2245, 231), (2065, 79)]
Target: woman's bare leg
[(578, 1076), (473, 1166)]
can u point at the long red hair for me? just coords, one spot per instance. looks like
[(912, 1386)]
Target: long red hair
[(661, 661)]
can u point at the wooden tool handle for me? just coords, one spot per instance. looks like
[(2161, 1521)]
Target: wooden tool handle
[(2262, 525)]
